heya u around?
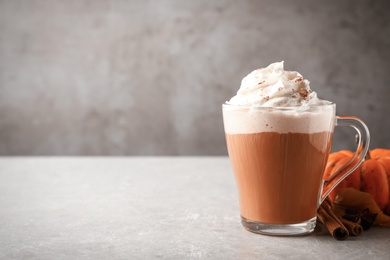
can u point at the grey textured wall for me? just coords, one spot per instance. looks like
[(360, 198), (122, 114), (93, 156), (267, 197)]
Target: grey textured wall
[(142, 77)]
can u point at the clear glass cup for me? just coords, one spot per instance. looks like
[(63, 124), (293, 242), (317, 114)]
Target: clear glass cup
[(278, 155)]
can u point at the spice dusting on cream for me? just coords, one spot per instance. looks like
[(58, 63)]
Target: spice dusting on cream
[(274, 87)]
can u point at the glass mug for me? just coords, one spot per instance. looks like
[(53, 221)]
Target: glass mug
[(278, 155)]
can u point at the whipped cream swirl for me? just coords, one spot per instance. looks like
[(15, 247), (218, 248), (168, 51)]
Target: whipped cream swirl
[(274, 87)]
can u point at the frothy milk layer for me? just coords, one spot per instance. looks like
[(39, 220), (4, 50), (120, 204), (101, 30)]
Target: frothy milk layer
[(274, 100), (257, 120)]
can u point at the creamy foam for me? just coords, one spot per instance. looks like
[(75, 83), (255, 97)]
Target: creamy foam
[(274, 100), (274, 87), (246, 120)]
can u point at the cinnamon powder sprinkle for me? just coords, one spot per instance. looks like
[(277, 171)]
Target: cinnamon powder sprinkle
[(261, 82), (299, 79), (303, 93)]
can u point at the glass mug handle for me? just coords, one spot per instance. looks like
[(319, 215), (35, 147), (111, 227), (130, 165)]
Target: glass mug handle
[(363, 140)]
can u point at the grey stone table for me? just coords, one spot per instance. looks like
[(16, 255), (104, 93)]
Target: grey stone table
[(145, 208)]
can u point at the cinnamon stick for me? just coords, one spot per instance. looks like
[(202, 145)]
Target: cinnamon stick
[(332, 223), (353, 228)]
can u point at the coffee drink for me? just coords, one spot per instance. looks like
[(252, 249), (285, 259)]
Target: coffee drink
[(278, 135)]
